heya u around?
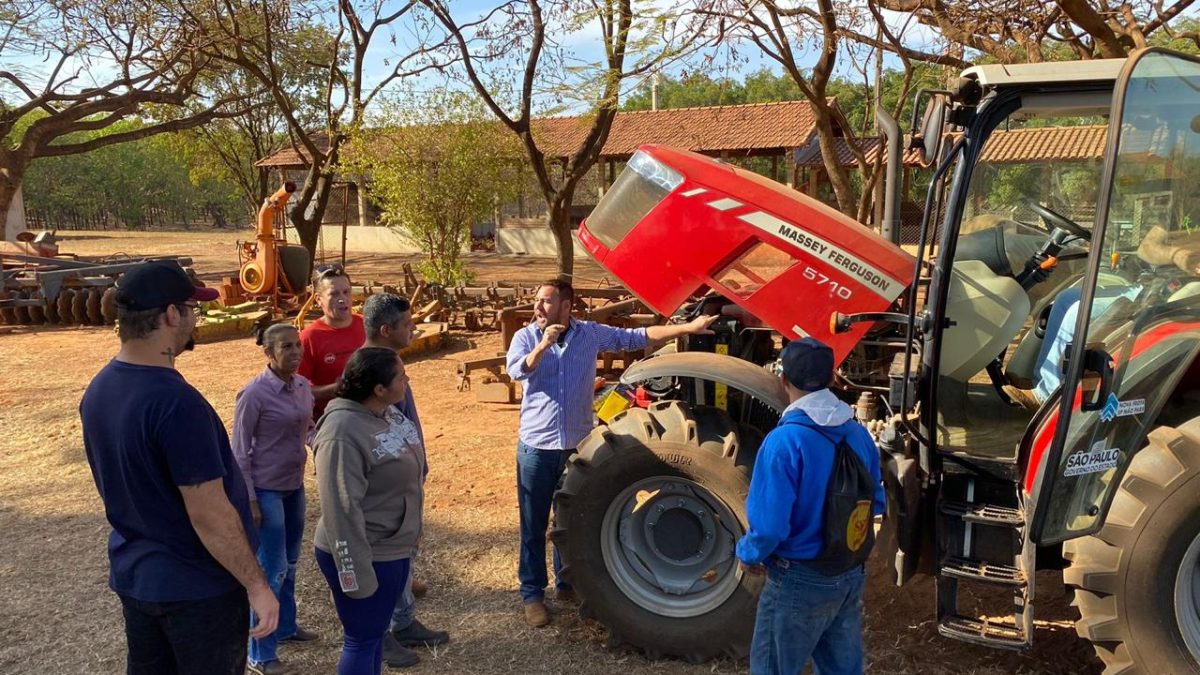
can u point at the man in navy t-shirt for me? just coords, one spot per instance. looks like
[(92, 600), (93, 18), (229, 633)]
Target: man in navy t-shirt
[(181, 551)]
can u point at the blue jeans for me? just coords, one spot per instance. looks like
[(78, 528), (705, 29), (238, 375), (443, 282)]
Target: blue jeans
[(406, 606), (538, 471), (279, 537), (365, 620), (195, 637), (804, 614)]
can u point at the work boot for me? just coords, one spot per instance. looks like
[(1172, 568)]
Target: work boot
[(419, 588), (1022, 397), (536, 614), (566, 596), (272, 667), (417, 635), (300, 635), (396, 655)]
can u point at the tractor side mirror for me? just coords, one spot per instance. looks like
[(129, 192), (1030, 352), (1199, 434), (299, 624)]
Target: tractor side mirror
[(927, 137), (932, 130)]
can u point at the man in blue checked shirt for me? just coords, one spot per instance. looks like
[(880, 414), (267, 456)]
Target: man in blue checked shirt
[(555, 358)]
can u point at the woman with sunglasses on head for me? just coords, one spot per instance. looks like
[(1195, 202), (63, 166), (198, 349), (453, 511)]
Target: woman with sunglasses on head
[(369, 468)]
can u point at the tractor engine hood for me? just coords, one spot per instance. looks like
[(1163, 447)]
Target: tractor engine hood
[(675, 223)]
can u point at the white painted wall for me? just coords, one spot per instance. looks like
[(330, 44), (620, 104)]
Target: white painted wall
[(371, 238), (532, 241), (16, 218), (535, 241)]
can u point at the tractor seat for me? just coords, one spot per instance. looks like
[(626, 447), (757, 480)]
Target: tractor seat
[(973, 421)]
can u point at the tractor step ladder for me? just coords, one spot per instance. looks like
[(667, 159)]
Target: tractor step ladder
[(983, 545)]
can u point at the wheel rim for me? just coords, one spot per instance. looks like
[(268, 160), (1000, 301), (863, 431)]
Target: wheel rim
[(1187, 598), (668, 544)]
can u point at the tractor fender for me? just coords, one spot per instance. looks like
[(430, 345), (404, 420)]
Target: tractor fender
[(721, 368)]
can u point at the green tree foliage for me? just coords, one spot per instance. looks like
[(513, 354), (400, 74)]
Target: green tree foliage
[(143, 183), (80, 66), (436, 165)]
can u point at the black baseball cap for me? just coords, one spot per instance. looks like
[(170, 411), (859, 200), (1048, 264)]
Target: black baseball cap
[(808, 364), (157, 284)]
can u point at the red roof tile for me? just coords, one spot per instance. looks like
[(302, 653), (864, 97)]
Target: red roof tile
[(713, 129), (1012, 146)]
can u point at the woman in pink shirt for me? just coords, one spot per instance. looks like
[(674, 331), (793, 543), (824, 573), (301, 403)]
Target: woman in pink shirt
[(271, 420)]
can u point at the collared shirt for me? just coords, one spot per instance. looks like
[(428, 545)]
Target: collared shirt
[(556, 410), (270, 422)]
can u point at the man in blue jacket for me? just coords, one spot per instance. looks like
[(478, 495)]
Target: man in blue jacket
[(803, 613)]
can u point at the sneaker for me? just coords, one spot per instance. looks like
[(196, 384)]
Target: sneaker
[(396, 655), (274, 667), (300, 635), (536, 614), (1022, 397), (566, 596), (419, 588), (417, 635)]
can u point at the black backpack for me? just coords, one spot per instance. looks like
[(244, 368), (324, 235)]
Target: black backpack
[(849, 520)]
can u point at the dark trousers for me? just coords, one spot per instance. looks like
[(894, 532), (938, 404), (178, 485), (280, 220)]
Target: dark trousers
[(538, 471), (191, 637), (364, 620)]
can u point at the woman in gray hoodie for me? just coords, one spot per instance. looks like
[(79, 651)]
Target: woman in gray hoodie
[(369, 465)]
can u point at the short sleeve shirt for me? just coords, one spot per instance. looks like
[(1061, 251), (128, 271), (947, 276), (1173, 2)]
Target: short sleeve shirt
[(325, 351), (147, 432)]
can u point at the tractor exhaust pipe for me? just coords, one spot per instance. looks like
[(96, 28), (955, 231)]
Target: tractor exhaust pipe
[(890, 227)]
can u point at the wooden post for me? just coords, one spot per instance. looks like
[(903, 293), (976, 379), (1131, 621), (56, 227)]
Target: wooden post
[(345, 218)]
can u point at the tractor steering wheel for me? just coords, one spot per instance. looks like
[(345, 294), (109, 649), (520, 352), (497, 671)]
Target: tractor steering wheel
[(1056, 220)]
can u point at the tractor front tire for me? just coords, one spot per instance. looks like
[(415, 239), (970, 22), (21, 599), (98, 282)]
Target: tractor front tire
[(647, 519), (1137, 580)]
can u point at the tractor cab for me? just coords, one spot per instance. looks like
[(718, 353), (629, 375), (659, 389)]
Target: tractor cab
[(1060, 322)]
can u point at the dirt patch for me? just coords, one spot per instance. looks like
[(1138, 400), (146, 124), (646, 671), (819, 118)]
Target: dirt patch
[(214, 255), (57, 614)]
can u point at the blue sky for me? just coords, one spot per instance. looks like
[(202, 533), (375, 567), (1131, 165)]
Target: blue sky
[(583, 45)]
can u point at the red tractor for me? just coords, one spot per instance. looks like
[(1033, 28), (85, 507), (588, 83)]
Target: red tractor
[(1030, 370)]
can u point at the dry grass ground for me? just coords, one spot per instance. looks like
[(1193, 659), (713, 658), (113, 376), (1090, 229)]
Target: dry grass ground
[(58, 616)]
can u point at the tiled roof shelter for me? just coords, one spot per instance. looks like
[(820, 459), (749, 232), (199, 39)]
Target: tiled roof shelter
[(1005, 146), (740, 130)]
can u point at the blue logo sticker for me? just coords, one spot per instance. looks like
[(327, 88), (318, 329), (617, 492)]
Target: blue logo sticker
[(1111, 407)]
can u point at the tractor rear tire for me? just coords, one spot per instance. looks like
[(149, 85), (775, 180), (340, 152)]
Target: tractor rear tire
[(1137, 580), (690, 471)]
